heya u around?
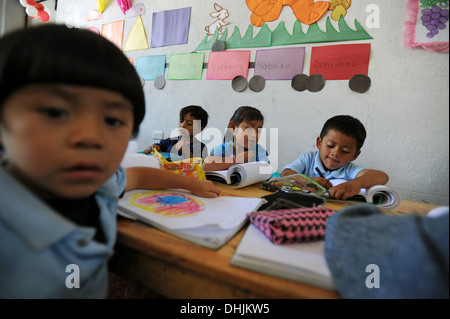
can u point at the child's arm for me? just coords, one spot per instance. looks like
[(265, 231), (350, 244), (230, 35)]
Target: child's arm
[(218, 163), (364, 179), (161, 146), (154, 178), (151, 148)]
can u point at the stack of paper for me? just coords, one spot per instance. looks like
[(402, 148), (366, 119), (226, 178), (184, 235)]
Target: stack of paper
[(303, 262)]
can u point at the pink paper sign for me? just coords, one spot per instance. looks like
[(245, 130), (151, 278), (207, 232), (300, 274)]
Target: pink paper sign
[(226, 65), (340, 62), (279, 64)]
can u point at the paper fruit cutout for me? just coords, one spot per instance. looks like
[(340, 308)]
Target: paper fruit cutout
[(36, 10), (427, 25), (220, 14), (339, 8), (306, 11), (434, 19)]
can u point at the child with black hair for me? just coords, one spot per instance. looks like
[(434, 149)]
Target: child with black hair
[(193, 119), (245, 126), (339, 144), (69, 103)]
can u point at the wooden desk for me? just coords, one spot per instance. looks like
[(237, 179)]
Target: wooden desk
[(175, 268)]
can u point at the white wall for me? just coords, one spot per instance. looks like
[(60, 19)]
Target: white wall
[(405, 112), (13, 16)]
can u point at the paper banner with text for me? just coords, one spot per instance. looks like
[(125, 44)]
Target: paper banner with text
[(137, 40), (150, 67), (170, 27), (226, 65), (340, 62), (113, 31), (279, 64), (186, 66)]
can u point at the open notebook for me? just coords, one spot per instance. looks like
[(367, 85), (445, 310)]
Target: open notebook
[(381, 196), (241, 175), (302, 262), (208, 222)]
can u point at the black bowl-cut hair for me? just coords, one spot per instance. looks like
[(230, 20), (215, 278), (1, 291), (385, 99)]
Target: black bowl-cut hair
[(58, 54), (347, 125)]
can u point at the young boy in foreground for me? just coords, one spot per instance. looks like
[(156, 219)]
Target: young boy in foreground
[(69, 103), (339, 144)]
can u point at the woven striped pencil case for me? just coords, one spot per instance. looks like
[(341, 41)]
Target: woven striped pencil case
[(288, 226)]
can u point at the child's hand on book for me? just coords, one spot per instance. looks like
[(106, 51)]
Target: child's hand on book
[(204, 188), (345, 190)]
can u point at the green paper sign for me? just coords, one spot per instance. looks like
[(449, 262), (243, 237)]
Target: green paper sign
[(186, 66)]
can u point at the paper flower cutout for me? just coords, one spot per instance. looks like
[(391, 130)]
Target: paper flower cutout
[(101, 5), (36, 10), (94, 15), (124, 5)]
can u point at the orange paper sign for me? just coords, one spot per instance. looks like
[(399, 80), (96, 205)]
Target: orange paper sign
[(340, 62)]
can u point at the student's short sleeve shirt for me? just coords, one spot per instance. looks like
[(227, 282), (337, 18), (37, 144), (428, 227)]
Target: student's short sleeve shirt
[(307, 163), (227, 150), (45, 255), (197, 148)]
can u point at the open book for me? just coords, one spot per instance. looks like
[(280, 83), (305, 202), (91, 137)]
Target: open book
[(241, 175), (302, 262), (380, 195), (208, 222)]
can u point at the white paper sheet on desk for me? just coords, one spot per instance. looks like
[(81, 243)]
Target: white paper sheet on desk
[(223, 212)]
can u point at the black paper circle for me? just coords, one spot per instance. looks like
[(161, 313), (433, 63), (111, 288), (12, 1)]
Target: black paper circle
[(239, 83), (160, 82), (218, 46), (257, 83), (359, 83), (298, 82), (315, 82)]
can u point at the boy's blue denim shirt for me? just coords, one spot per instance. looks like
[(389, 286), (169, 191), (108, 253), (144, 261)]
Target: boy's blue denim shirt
[(43, 254)]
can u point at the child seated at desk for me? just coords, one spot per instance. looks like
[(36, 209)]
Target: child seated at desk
[(186, 145), (245, 125), (69, 103), (339, 144)]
